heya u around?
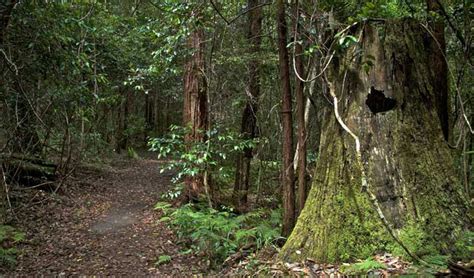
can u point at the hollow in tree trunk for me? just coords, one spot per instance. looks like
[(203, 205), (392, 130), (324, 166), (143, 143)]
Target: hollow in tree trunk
[(388, 99)]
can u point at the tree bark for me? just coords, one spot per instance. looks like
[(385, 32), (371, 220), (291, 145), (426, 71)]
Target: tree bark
[(300, 114), (148, 116), (124, 112), (195, 112), (391, 107), (437, 60), (287, 182), (249, 127)]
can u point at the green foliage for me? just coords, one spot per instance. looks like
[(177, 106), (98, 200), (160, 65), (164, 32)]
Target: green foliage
[(346, 41), (193, 158), (173, 193), (218, 234), (9, 236), (362, 268), (464, 246), (420, 244), (163, 259), (131, 153)]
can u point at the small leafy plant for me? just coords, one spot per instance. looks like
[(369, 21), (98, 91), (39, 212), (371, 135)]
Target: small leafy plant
[(131, 153), (163, 259), (362, 268), (9, 236)]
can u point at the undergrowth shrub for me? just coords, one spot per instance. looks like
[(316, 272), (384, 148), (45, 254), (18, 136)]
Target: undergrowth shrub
[(418, 242), (217, 234), (362, 268), (192, 158), (9, 236)]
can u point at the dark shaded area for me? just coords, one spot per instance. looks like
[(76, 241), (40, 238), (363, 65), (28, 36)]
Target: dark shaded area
[(378, 102)]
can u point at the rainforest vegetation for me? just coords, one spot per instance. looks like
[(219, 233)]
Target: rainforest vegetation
[(236, 137)]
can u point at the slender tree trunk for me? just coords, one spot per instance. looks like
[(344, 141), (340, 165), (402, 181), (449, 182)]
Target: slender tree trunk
[(147, 116), (300, 113), (249, 116), (157, 113), (126, 115), (195, 112), (288, 186), (404, 158), (6, 8), (119, 130), (122, 136), (437, 60)]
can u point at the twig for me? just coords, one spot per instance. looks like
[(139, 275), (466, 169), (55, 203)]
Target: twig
[(9, 61), (36, 186), (448, 19), (219, 12), (249, 10), (328, 62), (5, 185)]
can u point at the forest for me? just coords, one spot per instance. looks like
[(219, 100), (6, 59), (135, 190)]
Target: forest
[(223, 138)]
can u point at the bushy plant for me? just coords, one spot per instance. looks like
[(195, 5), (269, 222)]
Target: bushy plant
[(191, 159), (218, 234)]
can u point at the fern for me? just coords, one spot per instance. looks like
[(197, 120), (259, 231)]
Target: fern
[(9, 236), (218, 234), (363, 267)]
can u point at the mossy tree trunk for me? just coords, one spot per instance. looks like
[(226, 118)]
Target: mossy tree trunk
[(388, 99)]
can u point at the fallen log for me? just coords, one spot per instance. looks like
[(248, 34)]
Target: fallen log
[(29, 171)]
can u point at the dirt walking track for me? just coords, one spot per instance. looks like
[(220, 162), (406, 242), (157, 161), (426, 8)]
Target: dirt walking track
[(102, 224)]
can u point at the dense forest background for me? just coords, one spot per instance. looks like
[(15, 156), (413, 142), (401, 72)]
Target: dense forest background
[(343, 128)]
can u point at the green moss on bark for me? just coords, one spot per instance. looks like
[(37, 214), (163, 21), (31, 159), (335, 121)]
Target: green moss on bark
[(408, 164)]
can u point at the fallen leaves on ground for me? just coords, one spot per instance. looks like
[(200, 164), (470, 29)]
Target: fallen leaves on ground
[(103, 223)]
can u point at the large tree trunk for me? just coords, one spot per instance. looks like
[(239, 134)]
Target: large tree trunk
[(391, 107), (195, 112), (288, 175), (249, 117)]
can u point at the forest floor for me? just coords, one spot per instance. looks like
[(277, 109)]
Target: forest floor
[(103, 223)]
